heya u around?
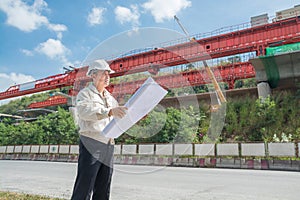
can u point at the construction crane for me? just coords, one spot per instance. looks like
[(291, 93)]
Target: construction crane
[(220, 96)]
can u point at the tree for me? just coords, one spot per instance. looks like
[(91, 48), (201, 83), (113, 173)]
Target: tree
[(58, 128)]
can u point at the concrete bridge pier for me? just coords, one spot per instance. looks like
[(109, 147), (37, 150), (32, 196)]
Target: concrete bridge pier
[(263, 89), (281, 70)]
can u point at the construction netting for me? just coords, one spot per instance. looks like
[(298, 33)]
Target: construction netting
[(271, 51), (271, 69), (270, 63)]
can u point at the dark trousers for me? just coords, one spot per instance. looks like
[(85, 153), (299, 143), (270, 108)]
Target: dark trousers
[(94, 171)]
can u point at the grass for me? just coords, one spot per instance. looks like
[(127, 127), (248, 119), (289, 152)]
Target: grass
[(20, 196)]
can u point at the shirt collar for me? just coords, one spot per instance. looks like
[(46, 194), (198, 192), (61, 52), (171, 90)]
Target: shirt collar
[(94, 89)]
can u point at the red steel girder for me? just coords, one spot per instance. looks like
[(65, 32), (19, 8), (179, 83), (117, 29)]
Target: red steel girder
[(242, 41), (49, 83), (228, 73), (52, 101)]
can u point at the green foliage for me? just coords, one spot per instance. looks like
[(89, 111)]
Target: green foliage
[(272, 119), (21, 196), (14, 106), (276, 118), (245, 83), (164, 126), (129, 78), (55, 128)]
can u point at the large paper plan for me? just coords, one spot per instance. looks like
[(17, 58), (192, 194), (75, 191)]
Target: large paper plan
[(139, 105)]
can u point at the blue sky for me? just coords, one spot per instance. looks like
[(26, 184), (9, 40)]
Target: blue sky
[(40, 37)]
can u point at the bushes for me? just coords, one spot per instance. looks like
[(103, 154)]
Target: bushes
[(163, 126), (251, 119), (55, 128)]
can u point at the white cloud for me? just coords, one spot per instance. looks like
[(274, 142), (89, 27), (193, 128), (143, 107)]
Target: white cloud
[(126, 15), (27, 52), (7, 80), (57, 27), (24, 17), (96, 16), (53, 49), (165, 10), (28, 18)]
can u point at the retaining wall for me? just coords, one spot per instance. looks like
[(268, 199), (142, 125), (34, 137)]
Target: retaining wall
[(273, 156)]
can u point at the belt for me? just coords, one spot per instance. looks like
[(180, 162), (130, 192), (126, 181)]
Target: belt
[(111, 141), (96, 136)]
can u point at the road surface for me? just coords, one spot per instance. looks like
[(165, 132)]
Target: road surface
[(154, 183)]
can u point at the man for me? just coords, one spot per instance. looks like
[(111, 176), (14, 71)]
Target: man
[(95, 107)]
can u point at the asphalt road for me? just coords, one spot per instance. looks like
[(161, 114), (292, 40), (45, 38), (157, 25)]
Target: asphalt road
[(154, 183)]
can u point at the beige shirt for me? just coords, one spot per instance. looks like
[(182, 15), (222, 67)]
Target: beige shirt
[(92, 111)]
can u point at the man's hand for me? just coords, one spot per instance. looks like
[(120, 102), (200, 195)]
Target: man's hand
[(118, 112)]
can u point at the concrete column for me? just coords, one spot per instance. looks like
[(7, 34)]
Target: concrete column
[(263, 89)]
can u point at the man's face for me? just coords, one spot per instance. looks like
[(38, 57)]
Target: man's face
[(101, 78)]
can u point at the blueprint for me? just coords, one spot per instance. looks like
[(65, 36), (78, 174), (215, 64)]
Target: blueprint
[(139, 105)]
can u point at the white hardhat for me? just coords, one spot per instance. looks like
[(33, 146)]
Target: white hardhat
[(99, 65)]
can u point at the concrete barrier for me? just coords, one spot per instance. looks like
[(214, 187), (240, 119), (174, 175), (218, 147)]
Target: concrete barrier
[(253, 149), (253, 164), (52, 157), (204, 149), (163, 161), (26, 149), (44, 149), (64, 149), (35, 149), (117, 149), (74, 149), (129, 149), (2, 149), (72, 158), (62, 158), (146, 149), (281, 149), (228, 163), (205, 162), (53, 148), (164, 149), (41, 157), (228, 149), (128, 160), (145, 160), (183, 149), (188, 162), (18, 149), (290, 165), (172, 155), (10, 149), (117, 159)]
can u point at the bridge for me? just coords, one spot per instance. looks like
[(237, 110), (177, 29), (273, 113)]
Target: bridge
[(245, 39)]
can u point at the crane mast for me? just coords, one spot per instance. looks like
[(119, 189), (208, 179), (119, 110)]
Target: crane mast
[(220, 96)]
